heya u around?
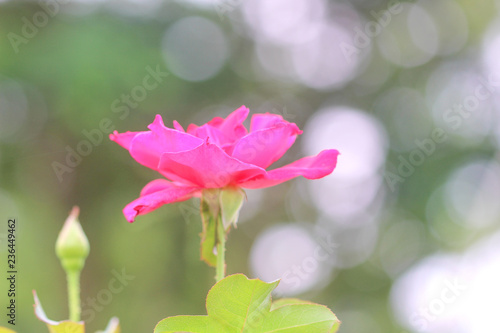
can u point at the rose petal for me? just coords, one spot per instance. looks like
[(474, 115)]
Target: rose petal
[(312, 167), (266, 146), (155, 186), (265, 120), (222, 131), (178, 126), (123, 139), (208, 166), (210, 133), (146, 148), (232, 126), (155, 194)]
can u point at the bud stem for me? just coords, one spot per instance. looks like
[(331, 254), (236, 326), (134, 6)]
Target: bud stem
[(73, 278), (220, 270)]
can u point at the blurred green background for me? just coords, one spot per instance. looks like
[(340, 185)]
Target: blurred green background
[(406, 91)]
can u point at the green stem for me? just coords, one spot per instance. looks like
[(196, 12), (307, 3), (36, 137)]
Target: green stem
[(220, 270), (74, 295)]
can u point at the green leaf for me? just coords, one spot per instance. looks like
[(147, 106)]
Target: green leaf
[(113, 326), (237, 304), (64, 326), (288, 301), (231, 201)]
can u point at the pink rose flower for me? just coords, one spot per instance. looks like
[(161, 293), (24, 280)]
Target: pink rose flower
[(221, 153)]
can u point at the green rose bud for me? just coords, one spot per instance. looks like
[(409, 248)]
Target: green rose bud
[(72, 246)]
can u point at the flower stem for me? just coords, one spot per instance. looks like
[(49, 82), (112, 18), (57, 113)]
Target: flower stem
[(220, 270), (74, 295)]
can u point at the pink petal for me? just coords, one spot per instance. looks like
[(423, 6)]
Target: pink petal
[(222, 131), (265, 120), (155, 186), (191, 128), (123, 139), (232, 126), (264, 147), (210, 133), (178, 126), (155, 194), (147, 147), (312, 167), (208, 166)]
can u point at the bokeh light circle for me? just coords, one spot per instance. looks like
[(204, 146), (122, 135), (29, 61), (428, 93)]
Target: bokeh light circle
[(290, 253), (410, 39), (195, 48), (13, 109), (471, 194), (449, 292), (359, 137), (284, 21)]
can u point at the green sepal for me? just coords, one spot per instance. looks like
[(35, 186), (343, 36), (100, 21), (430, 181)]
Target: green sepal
[(209, 213), (224, 204), (231, 201), (66, 326)]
